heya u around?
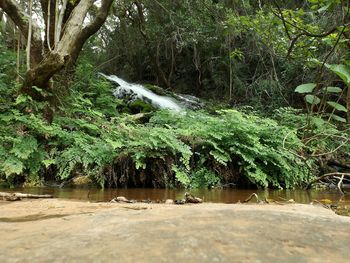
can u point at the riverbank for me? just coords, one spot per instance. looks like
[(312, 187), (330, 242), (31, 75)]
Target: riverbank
[(68, 231)]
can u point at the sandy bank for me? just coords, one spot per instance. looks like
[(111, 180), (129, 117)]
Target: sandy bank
[(67, 231)]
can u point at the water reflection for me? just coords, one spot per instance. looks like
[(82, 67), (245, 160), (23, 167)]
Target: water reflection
[(215, 196)]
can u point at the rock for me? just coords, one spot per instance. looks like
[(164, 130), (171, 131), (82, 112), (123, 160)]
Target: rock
[(144, 98), (189, 101), (180, 202), (121, 199), (10, 198), (169, 201), (82, 180), (192, 199), (141, 117)]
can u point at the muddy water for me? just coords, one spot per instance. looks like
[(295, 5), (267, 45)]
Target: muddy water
[(215, 196)]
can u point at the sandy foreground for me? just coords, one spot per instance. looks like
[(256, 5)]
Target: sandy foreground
[(55, 230)]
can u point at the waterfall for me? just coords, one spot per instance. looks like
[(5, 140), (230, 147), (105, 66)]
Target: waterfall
[(137, 91)]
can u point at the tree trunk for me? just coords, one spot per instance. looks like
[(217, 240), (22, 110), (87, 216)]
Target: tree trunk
[(48, 10), (67, 48), (153, 57), (45, 62), (20, 18), (29, 37)]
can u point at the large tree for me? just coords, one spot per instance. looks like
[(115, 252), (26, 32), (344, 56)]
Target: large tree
[(66, 30)]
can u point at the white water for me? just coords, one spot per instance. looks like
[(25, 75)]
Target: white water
[(142, 92)]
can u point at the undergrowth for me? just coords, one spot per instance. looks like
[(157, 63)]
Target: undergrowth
[(88, 136)]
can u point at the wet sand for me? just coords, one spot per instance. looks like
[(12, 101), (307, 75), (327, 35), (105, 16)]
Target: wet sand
[(57, 230)]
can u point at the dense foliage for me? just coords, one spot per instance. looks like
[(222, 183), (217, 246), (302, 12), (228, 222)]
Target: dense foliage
[(192, 149), (241, 52), (272, 57)]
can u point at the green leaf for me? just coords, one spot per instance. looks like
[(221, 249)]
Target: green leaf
[(337, 106), (181, 175), (312, 99), (12, 166), (331, 90), (338, 118), (48, 162), (325, 7), (305, 88), (21, 99), (24, 147), (341, 70), (317, 121), (115, 144), (37, 89)]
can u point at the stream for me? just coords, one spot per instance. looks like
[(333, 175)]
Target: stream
[(214, 195)]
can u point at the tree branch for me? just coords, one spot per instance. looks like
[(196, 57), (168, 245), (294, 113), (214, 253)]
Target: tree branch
[(303, 32), (100, 18), (21, 20), (282, 18), (325, 176), (91, 28), (18, 16)]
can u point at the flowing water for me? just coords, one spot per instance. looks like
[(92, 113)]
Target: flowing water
[(214, 195), (143, 93)]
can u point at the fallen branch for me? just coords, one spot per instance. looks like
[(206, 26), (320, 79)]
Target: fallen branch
[(19, 196), (325, 176), (340, 184), (324, 205), (250, 198)]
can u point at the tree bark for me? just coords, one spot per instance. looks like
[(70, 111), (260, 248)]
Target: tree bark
[(29, 37), (91, 29), (48, 10), (60, 21)]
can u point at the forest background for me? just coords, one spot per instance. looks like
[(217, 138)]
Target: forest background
[(274, 76)]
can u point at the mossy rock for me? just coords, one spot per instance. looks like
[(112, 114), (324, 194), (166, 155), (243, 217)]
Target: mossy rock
[(138, 106), (82, 180), (157, 90)]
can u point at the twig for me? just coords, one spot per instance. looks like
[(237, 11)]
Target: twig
[(324, 205), (330, 152), (340, 183), (344, 179), (250, 198), (325, 176), (304, 32)]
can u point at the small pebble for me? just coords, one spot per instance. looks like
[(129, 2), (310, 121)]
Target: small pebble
[(169, 201), (180, 202), (121, 199)]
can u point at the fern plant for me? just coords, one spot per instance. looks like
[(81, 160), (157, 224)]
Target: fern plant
[(90, 136)]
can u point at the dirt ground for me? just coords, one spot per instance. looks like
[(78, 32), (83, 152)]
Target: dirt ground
[(55, 230)]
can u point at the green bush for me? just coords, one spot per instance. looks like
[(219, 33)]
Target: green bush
[(192, 149)]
